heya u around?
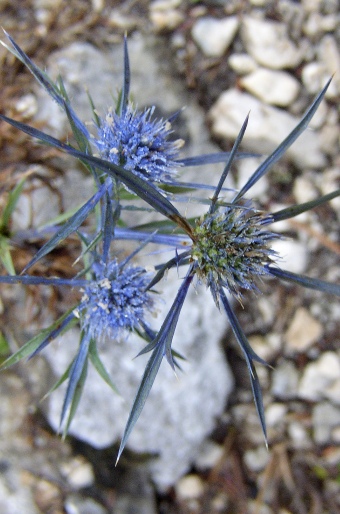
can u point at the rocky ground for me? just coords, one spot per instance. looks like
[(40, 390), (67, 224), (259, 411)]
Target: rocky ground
[(221, 59)]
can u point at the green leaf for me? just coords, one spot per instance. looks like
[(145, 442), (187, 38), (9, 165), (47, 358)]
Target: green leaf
[(99, 366), (12, 201), (58, 383), (48, 334), (4, 346), (5, 255)]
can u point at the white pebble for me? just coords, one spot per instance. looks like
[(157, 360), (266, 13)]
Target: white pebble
[(242, 63), (294, 255), (304, 190), (27, 106), (303, 331), (275, 414), (272, 86), (210, 454), (256, 460), (325, 417), (79, 473), (319, 376), (285, 380), (214, 36), (268, 43), (190, 487)]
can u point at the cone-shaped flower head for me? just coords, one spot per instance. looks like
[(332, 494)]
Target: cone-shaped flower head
[(232, 249), (140, 143), (116, 300)]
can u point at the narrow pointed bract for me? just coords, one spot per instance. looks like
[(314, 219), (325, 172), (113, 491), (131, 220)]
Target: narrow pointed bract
[(249, 356), (162, 347), (283, 147)]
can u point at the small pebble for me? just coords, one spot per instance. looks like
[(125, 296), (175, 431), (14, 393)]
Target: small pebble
[(273, 87), (190, 487), (294, 255), (268, 43), (242, 63), (303, 331), (213, 36), (75, 504), (27, 106), (320, 375), (209, 455), (275, 414), (285, 380), (268, 126), (79, 473), (256, 460), (325, 417)]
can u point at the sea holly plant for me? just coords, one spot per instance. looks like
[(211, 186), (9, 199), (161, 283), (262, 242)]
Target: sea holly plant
[(132, 156)]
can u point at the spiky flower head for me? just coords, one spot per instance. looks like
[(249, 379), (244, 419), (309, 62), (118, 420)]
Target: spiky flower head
[(231, 248), (115, 300), (140, 143)]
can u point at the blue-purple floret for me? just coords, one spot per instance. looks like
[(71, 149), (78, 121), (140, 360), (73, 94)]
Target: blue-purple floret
[(140, 143), (115, 301)]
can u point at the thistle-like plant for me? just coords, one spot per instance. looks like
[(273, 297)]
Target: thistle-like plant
[(228, 248)]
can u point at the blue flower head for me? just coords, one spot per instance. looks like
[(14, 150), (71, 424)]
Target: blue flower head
[(138, 142), (115, 301), (231, 248)]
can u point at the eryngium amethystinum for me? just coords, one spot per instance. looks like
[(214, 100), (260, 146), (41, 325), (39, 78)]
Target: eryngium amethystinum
[(115, 301), (139, 142)]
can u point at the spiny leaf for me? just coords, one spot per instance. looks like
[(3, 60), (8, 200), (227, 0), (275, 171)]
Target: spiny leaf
[(70, 226), (162, 346), (75, 399), (42, 281), (45, 82), (214, 158), (127, 77), (303, 280), (76, 372), (42, 339), (226, 170), (148, 379), (294, 210), (99, 366), (283, 147), (249, 355)]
